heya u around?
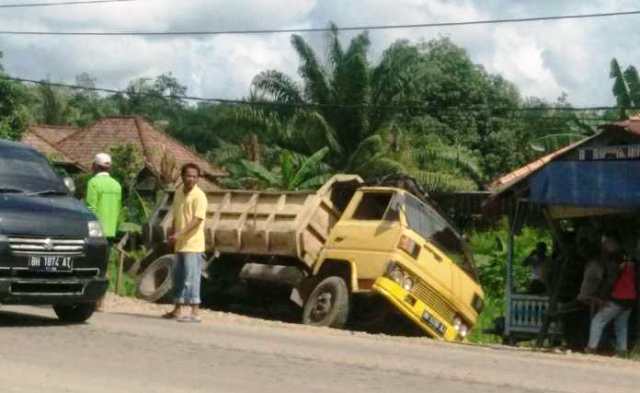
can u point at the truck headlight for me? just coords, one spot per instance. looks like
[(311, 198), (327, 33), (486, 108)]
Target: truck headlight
[(463, 331), (395, 273), (95, 229), (401, 277), (407, 283), (460, 326)]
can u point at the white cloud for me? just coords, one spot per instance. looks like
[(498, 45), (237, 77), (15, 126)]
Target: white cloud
[(543, 58)]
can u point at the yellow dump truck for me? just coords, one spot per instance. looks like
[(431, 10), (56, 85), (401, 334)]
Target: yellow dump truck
[(345, 241)]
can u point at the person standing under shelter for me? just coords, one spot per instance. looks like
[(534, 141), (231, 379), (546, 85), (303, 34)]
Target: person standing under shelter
[(104, 199), (187, 237), (616, 298), (539, 261)]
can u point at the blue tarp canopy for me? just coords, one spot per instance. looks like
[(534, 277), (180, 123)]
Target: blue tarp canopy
[(612, 184)]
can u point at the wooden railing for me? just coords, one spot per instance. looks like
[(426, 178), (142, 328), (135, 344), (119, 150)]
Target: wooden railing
[(527, 313)]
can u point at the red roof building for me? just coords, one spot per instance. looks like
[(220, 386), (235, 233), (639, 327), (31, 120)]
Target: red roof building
[(78, 146)]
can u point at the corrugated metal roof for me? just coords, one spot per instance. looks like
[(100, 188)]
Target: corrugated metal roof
[(525, 171), (505, 182)]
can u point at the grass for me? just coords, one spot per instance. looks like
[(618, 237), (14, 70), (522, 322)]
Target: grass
[(494, 308)]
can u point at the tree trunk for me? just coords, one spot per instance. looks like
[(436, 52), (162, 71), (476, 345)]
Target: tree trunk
[(254, 148)]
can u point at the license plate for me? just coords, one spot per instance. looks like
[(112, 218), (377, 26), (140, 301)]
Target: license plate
[(434, 323), (51, 264)]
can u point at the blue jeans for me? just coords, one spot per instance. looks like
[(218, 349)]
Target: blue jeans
[(186, 278), (610, 311)]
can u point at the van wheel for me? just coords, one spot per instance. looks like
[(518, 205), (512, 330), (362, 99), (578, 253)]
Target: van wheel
[(328, 304), (76, 313)]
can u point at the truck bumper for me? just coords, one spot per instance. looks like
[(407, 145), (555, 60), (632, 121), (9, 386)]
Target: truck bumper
[(421, 314), (59, 291)]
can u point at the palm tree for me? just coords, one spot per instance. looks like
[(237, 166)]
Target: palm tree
[(342, 94), (440, 167)]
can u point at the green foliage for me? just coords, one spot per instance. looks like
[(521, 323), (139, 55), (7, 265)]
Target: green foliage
[(158, 98), (54, 105), (13, 110), (342, 90), (490, 252), (620, 90), (494, 308), (127, 164), (294, 172), (128, 288)]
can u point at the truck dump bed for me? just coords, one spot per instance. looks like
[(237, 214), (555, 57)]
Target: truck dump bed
[(290, 224)]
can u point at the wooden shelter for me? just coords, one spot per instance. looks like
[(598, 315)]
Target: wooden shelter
[(594, 183)]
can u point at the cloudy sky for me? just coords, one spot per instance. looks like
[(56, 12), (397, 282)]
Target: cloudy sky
[(544, 59)]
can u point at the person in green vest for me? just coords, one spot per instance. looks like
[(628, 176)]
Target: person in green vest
[(104, 199)]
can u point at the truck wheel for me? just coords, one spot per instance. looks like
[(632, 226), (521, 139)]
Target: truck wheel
[(328, 304), (156, 282), (76, 313)]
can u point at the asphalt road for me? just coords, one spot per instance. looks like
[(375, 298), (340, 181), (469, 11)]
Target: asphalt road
[(118, 352)]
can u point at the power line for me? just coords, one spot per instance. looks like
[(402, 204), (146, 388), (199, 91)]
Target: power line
[(416, 106), (320, 29), (63, 3)]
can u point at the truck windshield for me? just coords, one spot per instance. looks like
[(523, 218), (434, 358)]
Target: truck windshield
[(25, 171), (428, 223)]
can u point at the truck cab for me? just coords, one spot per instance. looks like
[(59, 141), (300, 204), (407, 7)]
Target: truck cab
[(52, 249), (393, 244)]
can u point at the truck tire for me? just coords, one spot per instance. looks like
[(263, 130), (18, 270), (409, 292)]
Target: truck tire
[(75, 313), (328, 304), (156, 282)]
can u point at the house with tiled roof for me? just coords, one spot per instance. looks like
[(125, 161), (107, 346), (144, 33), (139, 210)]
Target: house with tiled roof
[(78, 146), (44, 138)]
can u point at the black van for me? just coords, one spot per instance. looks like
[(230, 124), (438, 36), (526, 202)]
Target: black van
[(52, 249)]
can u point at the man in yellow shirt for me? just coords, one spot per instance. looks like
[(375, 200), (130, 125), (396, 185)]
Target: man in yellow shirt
[(187, 237)]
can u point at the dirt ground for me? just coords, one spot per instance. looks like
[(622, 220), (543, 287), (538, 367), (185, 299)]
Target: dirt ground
[(129, 348)]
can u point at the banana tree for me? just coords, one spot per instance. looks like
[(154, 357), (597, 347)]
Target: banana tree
[(292, 172)]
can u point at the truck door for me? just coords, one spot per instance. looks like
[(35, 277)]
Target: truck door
[(367, 234)]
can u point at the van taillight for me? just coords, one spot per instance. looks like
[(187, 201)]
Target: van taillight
[(409, 246)]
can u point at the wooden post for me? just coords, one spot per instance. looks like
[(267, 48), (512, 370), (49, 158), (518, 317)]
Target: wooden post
[(558, 277), (509, 281), (119, 276), (121, 254)]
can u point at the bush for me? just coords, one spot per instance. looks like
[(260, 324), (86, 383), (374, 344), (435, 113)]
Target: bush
[(490, 251)]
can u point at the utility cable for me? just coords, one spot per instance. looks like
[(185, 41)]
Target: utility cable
[(415, 106), (63, 3), (321, 29)]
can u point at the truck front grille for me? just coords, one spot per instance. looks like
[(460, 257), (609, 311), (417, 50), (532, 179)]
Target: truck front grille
[(46, 246), (428, 295)]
